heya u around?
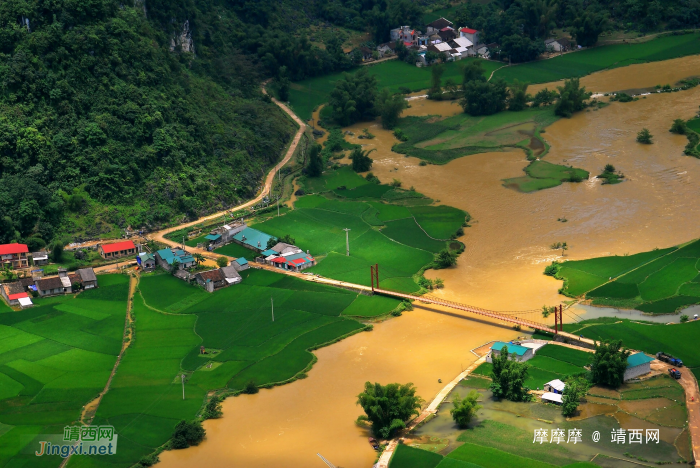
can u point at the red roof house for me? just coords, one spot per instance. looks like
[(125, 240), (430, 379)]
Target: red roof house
[(14, 255), (468, 31), (118, 249)]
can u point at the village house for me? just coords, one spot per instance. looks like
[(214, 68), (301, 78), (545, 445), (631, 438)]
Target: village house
[(15, 294), (288, 257), (471, 34), (558, 45), (211, 280), (637, 364), (405, 34), (116, 250), (165, 258), (87, 278), (14, 256), (231, 275), (555, 386), (447, 34), (53, 285), (146, 261), (215, 279), (386, 49), (240, 264), (487, 51), (438, 25), (252, 239), (520, 353)]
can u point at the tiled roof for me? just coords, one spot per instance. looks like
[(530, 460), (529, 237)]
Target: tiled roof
[(440, 23), (212, 275), (8, 249), (14, 288), (49, 283), (118, 246), (87, 274)]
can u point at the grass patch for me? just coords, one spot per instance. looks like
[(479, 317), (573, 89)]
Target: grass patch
[(554, 365), (542, 175), (562, 353), (493, 458), (371, 306), (236, 251), (439, 222), (410, 457), (406, 231)]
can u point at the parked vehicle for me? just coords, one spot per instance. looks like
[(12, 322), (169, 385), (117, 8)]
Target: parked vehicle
[(675, 373), (661, 356)]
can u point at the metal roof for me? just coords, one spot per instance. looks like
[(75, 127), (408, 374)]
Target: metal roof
[(638, 359), (212, 237), (118, 246), (512, 348), (7, 249), (241, 261), (253, 238), (556, 384), (553, 397)]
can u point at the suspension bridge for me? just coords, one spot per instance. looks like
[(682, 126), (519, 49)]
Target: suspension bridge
[(514, 317)]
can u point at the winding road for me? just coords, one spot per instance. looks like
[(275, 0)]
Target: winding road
[(159, 236)]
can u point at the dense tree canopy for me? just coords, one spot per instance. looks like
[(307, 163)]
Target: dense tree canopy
[(388, 407), (609, 363), (353, 97), (509, 377)]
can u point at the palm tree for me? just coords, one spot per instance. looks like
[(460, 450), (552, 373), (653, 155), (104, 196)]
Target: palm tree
[(199, 258)]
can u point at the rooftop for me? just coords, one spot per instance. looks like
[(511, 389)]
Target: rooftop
[(553, 397), (241, 261), (118, 246), (512, 348), (638, 359), (469, 31), (253, 238), (212, 237), (8, 249), (440, 23), (556, 384)]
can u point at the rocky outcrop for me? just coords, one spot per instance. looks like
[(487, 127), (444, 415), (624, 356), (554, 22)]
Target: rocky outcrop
[(141, 4), (183, 41)]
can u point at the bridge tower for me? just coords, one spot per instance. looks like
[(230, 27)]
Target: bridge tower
[(374, 275)]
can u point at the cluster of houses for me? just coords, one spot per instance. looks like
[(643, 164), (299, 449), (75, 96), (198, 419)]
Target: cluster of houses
[(638, 364), (446, 40), (19, 293)]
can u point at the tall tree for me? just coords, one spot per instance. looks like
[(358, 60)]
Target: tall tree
[(473, 71), (315, 166), (572, 98), (574, 390), (390, 107), (465, 409), (508, 376), (587, 27), (484, 98), (609, 363), (435, 91), (354, 96), (283, 84), (361, 162), (388, 407), (537, 16), (518, 96)]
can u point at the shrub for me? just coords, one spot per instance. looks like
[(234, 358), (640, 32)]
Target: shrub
[(250, 388), (645, 137), (684, 318), (187, 433), (213, 408), (553, 269), (395, 183), (678, 127), (445, 259), (222, 261), (148, 460), (423, 163), (609, 168), (465, 409)]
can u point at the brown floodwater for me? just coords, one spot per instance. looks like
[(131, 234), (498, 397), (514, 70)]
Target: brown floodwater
[(286, 426), (507, 248), (643, 75)]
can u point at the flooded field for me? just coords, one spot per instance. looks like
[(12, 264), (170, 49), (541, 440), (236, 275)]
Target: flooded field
[(507, 248), (286, 426), (510, 426)]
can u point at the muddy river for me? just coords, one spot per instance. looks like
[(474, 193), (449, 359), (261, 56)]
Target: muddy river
[(507, 249)]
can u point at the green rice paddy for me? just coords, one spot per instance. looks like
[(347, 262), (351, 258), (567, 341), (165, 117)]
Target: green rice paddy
[(660, 281), (542, 175), (400, 237), (55, 358), (595, 59)]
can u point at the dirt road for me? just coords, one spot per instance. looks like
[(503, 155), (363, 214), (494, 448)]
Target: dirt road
[(159, 236)]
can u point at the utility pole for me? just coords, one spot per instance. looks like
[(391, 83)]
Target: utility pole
[(278, 206), (183, 242), (183, 385), (272, 303), (347, 241)]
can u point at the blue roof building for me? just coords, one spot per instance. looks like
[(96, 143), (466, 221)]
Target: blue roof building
[(252, 238), (637, 364), (521, 353), (166, 257)]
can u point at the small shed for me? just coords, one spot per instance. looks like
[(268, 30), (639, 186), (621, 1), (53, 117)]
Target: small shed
[(240, 264), (550, 397), (555, 386), (637, 364), (147, 261), (88, 278), (25, 302), (40, 258), (521, 353), (231, 275)]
